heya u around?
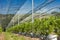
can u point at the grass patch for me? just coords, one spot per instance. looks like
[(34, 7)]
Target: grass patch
[(11, 36)]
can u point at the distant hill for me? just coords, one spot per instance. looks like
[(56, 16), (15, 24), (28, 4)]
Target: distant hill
[(5, 19), (56, 13), (38, 15)]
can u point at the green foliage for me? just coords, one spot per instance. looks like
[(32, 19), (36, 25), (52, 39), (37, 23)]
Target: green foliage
[(0, 29), (42, 26), (11, 36)]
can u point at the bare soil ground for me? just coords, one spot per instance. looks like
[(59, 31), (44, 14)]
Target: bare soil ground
[(2, 36), (29, 38)]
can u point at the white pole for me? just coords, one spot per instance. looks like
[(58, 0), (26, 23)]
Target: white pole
[(18, 19), (32, 10), (13, 21)]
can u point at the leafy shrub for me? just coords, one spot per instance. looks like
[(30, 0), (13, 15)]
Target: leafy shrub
[(0, 29), (42, 26)]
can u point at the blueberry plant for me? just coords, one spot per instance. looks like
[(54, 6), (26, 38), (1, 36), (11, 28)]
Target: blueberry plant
[(42, 26)]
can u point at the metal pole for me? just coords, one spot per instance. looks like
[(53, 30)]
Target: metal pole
[(13, 21), (32, 10), (18, 19)]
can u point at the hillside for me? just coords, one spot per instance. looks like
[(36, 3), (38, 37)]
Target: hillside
[(5, 19)]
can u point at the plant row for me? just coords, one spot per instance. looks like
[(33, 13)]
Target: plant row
[(42, 26)]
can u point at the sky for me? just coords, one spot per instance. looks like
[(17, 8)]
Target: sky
[(24, 6)]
